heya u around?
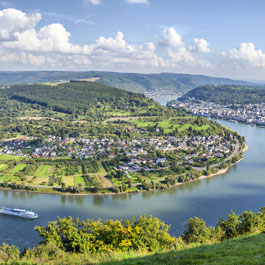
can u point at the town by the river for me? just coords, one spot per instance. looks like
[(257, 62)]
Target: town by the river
[(241, 188)]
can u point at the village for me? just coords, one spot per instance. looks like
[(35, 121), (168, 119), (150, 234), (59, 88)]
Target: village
[(161, 93), (253, 114), (141, 154)]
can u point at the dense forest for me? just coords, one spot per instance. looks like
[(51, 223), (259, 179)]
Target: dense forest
[(76, 96), (227, 94), (129, 81)]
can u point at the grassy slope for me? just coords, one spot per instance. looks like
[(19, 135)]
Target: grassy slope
[(243, 250)]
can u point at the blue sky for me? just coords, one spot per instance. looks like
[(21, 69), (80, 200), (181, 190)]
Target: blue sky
[(218, 38)]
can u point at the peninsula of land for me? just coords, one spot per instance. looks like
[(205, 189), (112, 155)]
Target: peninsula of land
[(88, 138)]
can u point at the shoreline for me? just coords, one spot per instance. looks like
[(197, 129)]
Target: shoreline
[(224, 170), (221, 171)]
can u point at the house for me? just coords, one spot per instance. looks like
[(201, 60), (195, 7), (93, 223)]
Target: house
[(161, 161)]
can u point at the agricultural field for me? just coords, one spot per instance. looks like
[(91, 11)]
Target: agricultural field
[(79, 180), (17, 168), (40, 180), (9, 157), (44, 170), (170, 124), (3, 167), (68, 180)]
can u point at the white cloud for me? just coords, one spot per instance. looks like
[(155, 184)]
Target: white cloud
[(247, 53), (51, 45), (51, 38), (202, 45), (180, 55), (13, 21), (177, 50), (170, 37), (24, 47), (137, 1), (93, 2)]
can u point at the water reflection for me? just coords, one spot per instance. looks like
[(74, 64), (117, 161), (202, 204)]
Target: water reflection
[(63, 199), (6, 193), (79, 200), (98, 201)]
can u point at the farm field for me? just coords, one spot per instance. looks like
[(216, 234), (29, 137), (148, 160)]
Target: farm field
[(10, 157), (3, 167), (44, 170), (68, 180), (169, 125), (17, 169), (40, 181), (79, 180)]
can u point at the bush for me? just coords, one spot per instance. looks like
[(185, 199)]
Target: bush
[(9, 253), (71, 235), (196, 232), (230, 226), (249, 222)]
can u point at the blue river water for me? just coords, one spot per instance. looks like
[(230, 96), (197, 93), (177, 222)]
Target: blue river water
[(241, 188)]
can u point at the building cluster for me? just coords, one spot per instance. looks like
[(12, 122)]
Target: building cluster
[(141, 152), (253, 114), (161, 93)]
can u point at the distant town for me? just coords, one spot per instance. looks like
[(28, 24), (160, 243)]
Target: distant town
[(253, 114), (161, 93)]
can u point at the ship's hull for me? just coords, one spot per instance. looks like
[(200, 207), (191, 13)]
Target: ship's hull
[(19, 213)]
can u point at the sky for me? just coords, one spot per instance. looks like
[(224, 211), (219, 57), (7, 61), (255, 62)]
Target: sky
[(210, 37)]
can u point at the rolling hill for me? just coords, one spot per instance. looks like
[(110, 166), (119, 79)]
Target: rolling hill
[(227, 94), (75, 96), (134, 82)]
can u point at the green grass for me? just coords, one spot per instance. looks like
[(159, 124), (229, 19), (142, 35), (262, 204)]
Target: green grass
[(9, 157), (101, 169), (169, 125), (243, 250), (3, 167), (79, 180), (68, 180), (9, 178), (44, 170), (17, 168)]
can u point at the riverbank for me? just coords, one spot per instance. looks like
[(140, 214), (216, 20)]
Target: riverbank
[(224, 170), (54, 192)]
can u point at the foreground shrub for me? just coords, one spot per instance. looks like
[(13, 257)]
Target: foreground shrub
[(196, 231), (9, 253), (249, 222), (230, 226), (72, 235), (233, 226), (71, 241)]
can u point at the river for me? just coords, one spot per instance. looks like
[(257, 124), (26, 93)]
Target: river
[(241, 188)]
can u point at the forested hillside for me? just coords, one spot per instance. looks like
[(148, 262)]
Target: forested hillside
[(129, 81), (77, 96), (227, 94)]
